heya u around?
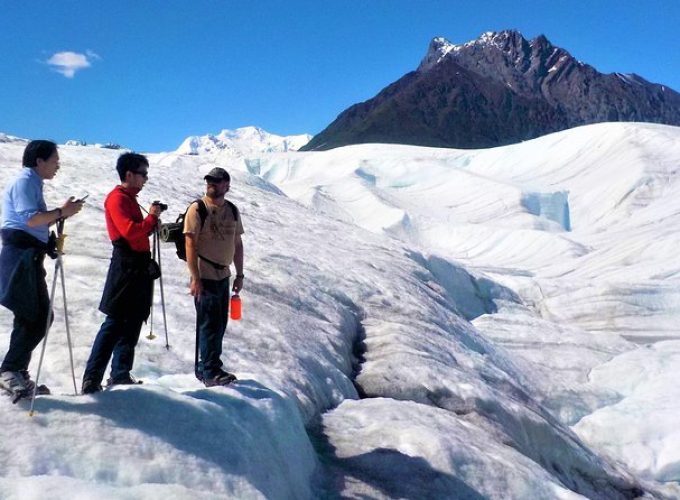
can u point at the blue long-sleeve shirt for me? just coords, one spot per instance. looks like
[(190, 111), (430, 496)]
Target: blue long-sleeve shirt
[(23, 199)]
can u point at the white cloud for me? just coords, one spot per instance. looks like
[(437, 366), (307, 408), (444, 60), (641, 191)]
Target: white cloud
[(67, 63)]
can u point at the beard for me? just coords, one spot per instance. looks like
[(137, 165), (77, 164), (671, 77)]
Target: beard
[(214, 192)]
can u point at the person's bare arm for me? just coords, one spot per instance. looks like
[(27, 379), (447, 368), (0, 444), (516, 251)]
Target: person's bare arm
[(238, 264), (191, 241)]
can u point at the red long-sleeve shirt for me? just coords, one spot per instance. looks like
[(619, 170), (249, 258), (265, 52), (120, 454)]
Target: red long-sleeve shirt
[(124, 219)]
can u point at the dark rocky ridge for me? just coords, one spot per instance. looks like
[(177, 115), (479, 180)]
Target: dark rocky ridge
[(497, 90)]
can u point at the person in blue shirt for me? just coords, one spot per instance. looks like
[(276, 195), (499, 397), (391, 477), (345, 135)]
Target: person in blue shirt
[(25, 235)]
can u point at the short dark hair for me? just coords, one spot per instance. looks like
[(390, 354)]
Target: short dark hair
[(38, 149), (130, 162)]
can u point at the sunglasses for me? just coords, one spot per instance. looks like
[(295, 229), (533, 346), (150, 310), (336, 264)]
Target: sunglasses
[(143, 174)]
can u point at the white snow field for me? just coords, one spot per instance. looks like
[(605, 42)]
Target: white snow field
[(418, 323)]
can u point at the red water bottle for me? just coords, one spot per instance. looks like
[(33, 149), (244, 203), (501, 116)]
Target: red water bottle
[(235, 307)]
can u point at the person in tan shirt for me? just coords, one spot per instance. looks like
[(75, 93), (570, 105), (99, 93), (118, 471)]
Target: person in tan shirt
[(211, 247)]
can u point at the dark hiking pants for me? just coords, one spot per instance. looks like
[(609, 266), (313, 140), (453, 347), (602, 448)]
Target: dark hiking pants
[(212, 314), (117, 337)]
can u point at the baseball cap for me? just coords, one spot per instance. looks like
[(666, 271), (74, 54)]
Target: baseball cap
[(218, 174)]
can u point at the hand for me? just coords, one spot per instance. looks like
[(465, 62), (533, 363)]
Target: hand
[(195, 288), (238, 284), (155, 210), (71, 207)]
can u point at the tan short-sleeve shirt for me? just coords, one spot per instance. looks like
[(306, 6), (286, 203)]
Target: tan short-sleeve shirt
[(217, 238)]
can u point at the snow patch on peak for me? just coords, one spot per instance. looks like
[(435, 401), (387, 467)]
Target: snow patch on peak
[(439, 48), (487, 37), (630, 78), (243, 132), (498, 38)]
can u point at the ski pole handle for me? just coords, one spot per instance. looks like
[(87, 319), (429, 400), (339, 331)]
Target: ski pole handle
[(61, 239)]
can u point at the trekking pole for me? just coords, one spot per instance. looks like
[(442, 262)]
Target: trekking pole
[(58, 270), (157, 241), (196, 357), (47, 329), (68, 329), (151, 336)]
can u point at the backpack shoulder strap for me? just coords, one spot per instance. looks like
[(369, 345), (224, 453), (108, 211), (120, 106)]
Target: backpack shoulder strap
[(234, 209), (202, 211)]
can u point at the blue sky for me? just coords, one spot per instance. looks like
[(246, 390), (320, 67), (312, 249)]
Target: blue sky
[(160, 71)]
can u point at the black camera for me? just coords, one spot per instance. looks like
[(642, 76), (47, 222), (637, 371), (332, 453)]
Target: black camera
[(163, 206)]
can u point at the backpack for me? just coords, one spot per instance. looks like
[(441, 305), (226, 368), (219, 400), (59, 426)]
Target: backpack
[(173, 232)]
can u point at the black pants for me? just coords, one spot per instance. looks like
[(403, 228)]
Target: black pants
[(117, 337), (26, 335), (27, 332)]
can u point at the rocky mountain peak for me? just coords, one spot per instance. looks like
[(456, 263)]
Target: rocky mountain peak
[(504, 40), (438, 49), (507, 48), (497, 89), (507, 57)]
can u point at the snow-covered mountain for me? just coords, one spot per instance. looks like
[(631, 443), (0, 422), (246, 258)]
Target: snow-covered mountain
[(240, 142), (10, 138), (418, 323)]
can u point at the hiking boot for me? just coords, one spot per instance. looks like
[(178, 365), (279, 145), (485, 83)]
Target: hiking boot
[(222, 378), (14, 382), (30, 385), (91, 386), (129, 380)]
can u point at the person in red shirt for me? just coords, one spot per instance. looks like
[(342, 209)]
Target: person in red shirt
[(127, 295)]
